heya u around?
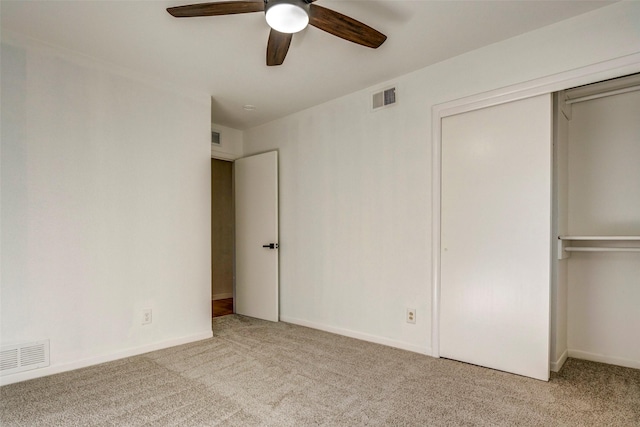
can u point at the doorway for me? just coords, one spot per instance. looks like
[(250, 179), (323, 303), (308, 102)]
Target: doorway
[(244, 236), (596, 263), (222, 238)]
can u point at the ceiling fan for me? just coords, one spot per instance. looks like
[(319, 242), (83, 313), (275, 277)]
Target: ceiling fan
[(286, 17)]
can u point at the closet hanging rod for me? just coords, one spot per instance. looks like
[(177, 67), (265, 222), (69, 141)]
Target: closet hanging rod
[(599, 249), (603, 94)]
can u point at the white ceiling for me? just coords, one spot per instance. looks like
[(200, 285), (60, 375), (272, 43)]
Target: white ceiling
[(225, 56)]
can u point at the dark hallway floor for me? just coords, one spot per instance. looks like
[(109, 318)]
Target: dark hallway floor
[(222, 307)]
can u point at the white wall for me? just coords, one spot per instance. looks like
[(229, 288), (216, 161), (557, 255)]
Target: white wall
[(604, 199), (604, 149), (105, 210), (231, 143), (355, 186)]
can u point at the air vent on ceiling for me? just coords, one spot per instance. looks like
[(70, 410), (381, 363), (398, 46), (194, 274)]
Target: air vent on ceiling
[(215, 137), (23, 357), (384, 99)]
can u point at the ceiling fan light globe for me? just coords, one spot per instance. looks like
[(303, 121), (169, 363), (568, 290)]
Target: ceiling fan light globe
[(287, 17)]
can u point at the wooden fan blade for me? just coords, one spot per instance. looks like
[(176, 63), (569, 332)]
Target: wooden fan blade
[(344, 27), (217, 8), (277, 47)]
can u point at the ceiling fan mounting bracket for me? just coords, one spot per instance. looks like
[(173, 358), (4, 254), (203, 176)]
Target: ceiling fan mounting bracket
[(292, 1)]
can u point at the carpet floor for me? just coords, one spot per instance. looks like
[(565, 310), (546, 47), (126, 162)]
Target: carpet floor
[(256, 373)]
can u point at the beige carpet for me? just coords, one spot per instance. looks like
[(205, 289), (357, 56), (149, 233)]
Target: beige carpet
[(255, 373)]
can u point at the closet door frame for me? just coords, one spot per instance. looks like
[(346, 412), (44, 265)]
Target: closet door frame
[(580, 76)]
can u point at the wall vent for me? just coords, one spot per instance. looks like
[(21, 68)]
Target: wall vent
[(384, 98), (23, 357), (215, 137)]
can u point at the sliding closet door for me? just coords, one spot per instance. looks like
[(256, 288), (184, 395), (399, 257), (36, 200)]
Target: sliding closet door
[(496, 231)]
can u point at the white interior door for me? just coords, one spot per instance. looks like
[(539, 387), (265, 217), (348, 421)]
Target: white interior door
[(495, 236), (256, 199)]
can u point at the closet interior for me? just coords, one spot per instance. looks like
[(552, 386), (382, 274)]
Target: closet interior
[(595, 312)]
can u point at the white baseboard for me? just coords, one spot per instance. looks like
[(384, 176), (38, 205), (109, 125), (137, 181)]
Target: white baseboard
[(595, 357), (56, 369), (358, 335), (557, 365), (216, 297)]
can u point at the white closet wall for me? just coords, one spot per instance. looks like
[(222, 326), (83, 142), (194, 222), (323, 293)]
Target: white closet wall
[(558, 345), (603, 198)]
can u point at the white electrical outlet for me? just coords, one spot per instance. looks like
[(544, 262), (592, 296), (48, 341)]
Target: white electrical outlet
[(411, 315), (146, 316)]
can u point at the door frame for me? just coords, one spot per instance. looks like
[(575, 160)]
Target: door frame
[(556, 82), (231, 159)]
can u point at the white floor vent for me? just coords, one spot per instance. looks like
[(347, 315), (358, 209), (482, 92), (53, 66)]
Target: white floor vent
[(24, 357), (384, 99)]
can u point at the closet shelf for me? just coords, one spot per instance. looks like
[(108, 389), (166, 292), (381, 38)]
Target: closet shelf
[(596, 238), (564, 250)]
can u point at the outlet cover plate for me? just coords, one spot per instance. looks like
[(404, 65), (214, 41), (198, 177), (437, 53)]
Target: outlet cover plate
[(411, 315), (146, 316)]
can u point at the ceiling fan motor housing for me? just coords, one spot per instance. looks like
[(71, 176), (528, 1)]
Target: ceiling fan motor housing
[(287, 16)]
